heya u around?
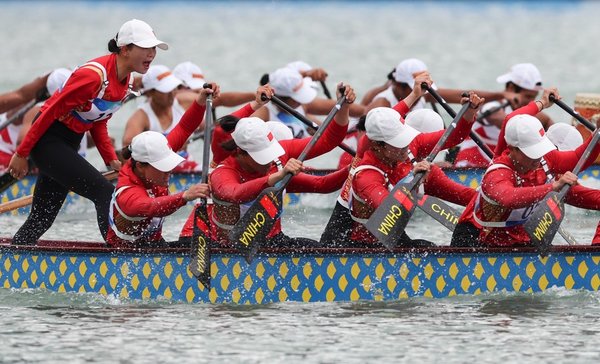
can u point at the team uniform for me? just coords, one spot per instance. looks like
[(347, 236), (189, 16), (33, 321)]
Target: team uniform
[(8, 142), (86, 103), (137, 211)]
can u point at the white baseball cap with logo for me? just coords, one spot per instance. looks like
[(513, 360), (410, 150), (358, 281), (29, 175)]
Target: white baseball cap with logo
[(524, 75), (160, 78), (527, 133), (280, 130), (424, 120), (254, 136), (290, 83), (384, 124), (139, 33), (56, 79), (564, 136), (191, 75), (153, 148)]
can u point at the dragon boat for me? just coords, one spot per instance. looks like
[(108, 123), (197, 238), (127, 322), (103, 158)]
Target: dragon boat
[(180, 181), (313, 275)]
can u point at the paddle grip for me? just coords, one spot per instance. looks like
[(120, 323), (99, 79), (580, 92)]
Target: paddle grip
[(452, 113), (573, 113)]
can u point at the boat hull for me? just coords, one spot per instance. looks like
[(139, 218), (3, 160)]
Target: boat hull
[(313, 276)]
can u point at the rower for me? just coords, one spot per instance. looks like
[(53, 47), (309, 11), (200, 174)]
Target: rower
[(517, 180), (142, 200), (87, 101)]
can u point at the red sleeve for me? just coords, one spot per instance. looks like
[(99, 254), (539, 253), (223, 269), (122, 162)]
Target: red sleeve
[(304, 182), (438, 184), (529, 109), (331, 138), (423, 144), (560, 162), (370, 186), (187, 125), (402, 108), (499, 185), (82, 86), (363, 145), (228, 186), (135, 202), (99, 132), (243, 112), (584, 197)]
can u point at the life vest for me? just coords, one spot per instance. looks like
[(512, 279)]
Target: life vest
[(131, 228), (360, 211), (498, 216), (299, 130), (100, 108), (226, 214)]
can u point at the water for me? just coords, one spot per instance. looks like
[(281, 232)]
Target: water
[(465, 44)]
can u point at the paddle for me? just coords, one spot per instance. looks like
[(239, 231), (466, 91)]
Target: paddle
[(252, 228), (481, 117), (544, 221), (573, 113), (200, 260), (325, 90), (26, 200), (391, 217), (17, 115)]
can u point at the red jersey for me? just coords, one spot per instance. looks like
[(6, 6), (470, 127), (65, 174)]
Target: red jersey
[(81, 88)]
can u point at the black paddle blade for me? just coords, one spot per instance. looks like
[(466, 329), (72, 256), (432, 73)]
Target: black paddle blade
[(544, 222), (390, 219), (6, 180), (200, 261), (439, 210), (252, 228)]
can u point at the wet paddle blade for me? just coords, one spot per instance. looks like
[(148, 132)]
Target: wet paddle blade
[(388, 222), (201, 242), (252, 228), (544, 222), (439, 210)]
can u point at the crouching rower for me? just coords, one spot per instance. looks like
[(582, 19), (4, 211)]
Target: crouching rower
[(386, 162), (517, 180), (141, 199), (260, 161)]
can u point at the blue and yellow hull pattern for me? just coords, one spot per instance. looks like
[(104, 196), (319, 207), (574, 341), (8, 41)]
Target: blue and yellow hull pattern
[(315, 276), (181, 181)]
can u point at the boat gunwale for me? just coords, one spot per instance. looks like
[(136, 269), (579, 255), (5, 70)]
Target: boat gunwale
[(67, 246)]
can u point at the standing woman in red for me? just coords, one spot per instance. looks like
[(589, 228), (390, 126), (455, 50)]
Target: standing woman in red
[(90, 96)]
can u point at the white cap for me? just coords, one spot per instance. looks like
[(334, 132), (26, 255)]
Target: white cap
[(280, 130), (160, 78), (56, 79), (289, 82), (139, 33), (524, 75), (527, 133), (406, 70), (254, 136), (564, 136), (299, 66), (383, 124), (153, 148), (191, 75), (424, 120)]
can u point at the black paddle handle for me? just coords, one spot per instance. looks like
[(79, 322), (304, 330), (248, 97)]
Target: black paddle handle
[(492, 110), (438, 146), (208, 122), (452, 113), (277, 101), (325, 90), (315, 138), (573, 113), (19, 114)]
